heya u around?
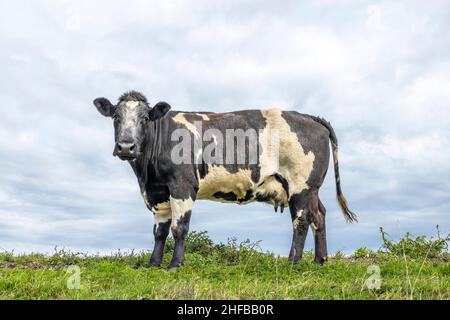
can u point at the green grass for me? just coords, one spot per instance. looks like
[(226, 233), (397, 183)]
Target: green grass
[(410, 269)]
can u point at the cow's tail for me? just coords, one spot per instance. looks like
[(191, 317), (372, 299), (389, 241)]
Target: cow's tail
[(349, 215)]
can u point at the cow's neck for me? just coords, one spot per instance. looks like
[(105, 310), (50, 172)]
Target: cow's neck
[(146, 165)]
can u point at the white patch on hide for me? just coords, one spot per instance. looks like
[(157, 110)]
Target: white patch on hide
[(297, 219), (132, 104), (179, 118), (218, 179), (293, 164), (179, 208)]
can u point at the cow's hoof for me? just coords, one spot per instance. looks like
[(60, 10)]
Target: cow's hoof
[(151, 265), (320, 260), (173, 267)]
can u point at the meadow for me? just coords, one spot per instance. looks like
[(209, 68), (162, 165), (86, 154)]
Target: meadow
[(410, 268)]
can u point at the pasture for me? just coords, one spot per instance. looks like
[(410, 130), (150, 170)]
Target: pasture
[(411, 268)]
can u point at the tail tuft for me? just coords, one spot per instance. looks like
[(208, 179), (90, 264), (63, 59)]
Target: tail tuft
[(348, 215)]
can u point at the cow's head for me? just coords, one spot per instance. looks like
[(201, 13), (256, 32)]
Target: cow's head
[(132, 116)]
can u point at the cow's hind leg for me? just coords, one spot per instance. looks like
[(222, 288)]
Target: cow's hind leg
[(318, 213), (298, 205)]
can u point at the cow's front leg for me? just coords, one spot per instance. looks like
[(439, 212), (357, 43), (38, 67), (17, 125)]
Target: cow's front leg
[(163, 219), (181, 215)]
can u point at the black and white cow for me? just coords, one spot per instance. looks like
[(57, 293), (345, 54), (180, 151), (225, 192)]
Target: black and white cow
[(144, 137)]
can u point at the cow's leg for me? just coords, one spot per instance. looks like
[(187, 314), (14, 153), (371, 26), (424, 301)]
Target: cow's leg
[(160, 231), (181, 215), (318, 228), (163, 219), (298, 205)]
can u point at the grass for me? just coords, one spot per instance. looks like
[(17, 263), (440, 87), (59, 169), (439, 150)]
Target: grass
[(412, 268)]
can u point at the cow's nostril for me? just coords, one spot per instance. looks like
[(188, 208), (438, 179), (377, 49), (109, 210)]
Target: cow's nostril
[(132, 148), (119, 147)]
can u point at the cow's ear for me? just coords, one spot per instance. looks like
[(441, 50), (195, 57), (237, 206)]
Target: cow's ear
[(159, 110), (105, 107)]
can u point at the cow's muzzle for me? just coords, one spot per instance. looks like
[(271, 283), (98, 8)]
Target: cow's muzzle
[(126, 150)]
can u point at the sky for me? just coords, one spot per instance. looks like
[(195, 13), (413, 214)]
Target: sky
[(379, 71)]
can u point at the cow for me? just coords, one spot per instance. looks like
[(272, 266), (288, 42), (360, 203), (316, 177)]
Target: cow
[(149, 137)]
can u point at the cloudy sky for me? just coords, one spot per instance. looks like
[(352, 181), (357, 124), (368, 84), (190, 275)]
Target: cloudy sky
[(378, 70)]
